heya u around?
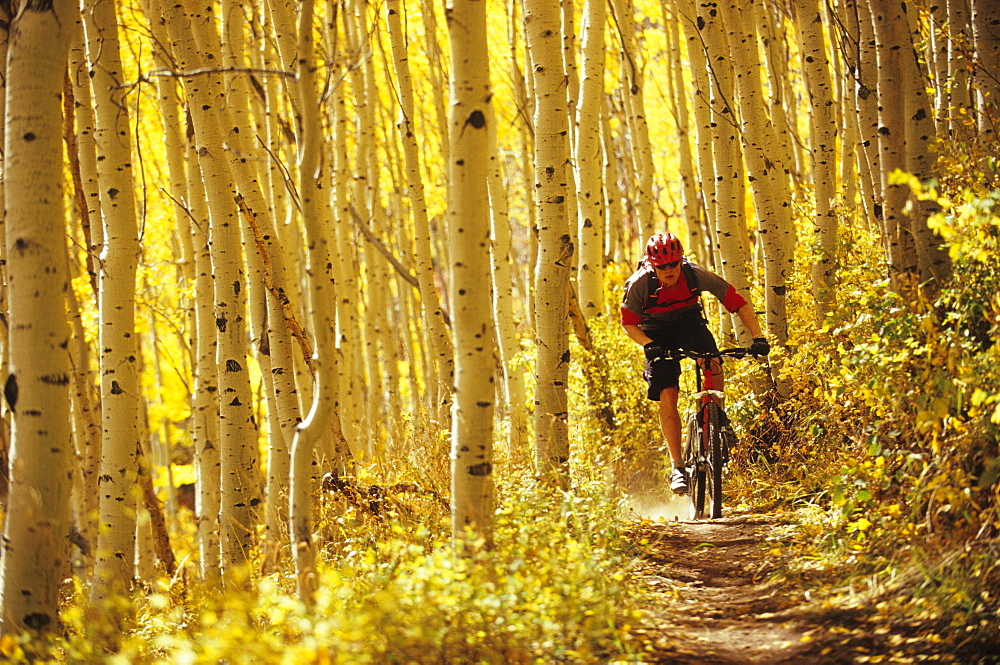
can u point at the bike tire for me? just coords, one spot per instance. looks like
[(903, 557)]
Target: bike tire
[(696, 469), (715, 460)]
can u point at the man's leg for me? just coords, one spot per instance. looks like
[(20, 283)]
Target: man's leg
[(670, 423)]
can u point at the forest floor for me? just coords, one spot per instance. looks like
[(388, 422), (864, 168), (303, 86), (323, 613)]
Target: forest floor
[(713, 594)]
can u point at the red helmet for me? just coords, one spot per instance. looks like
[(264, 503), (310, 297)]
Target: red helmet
[(664, 248)]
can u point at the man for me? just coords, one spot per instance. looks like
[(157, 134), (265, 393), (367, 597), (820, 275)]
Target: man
[(661, 311)]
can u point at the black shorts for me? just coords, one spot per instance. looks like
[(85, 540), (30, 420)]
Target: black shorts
[(690, 333)]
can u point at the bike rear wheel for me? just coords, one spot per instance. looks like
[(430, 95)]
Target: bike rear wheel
[(713, 449)]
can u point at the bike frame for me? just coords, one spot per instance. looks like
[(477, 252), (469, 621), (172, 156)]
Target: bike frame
[(704, 457)]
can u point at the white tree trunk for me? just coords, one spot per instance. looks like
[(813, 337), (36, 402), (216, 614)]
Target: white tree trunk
[(890, 26), (204, 403), (633, 97), (437, 333), (120, 388), (33, 559), (469, 286), (769, 186), (555, 249), (504, 318), (986, 36), (730, 218), (316, 215), (237, 431), (589, 164), (823, 153)]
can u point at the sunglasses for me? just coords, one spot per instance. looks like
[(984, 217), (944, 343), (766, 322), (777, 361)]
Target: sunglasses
[(666, 266)]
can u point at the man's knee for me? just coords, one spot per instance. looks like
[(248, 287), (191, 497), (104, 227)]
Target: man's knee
[(668, 398)]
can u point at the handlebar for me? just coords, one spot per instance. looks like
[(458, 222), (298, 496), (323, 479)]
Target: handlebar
[(679, 354)]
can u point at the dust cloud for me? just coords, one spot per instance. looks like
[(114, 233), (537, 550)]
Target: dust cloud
[(664, 506)]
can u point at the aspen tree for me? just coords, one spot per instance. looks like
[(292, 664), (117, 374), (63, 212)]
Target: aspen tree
[(702, 247), (678, 93), (823, 156), (437, 333), (204, 402), (960, 37), (525, 101), (900, 250), (589, 164), (316, 218), (260, 231), (635, 115), (729, 222), (784, 115), (937, 51), (932, 261), (862, 100), (572, 90), (469, 225), (5, 18), (86, 396), (771, 195), (87, 436), (33, 555), (847, 133), (169, 105), (236, 428), (277, 362), (364, 198), (503, 263), (120, 389), (986, 38), (351, 372), (6, 10), (436, 77), (555, 248), (614, 242)]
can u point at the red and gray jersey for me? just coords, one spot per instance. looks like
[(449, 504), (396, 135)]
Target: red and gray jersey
[(648, 305)]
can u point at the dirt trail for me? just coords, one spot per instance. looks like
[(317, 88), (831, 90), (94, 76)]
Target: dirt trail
[(711, 598), (710, 601)]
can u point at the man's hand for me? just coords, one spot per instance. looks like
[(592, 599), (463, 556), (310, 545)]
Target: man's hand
[(654, 350), (759, 347)]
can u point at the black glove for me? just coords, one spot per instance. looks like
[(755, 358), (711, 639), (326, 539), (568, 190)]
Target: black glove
[(759, 347), (654, 350)]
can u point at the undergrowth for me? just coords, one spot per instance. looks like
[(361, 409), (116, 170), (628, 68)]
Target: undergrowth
[(552, 589), (888, 445)]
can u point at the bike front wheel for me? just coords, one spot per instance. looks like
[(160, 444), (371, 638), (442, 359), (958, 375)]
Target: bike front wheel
[(713, 448), (694, 460)]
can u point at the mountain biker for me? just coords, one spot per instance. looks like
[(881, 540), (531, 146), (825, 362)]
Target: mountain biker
[(661, 311)]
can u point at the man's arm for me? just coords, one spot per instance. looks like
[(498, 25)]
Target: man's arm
[(749, 319), (636, 335)]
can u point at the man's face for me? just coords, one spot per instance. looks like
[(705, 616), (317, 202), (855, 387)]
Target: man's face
[(668, 273)]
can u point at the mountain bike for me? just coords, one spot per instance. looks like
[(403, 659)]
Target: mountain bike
[(709, 437)]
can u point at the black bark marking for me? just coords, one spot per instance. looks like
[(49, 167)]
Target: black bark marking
[(55, 379), (37, 620), (10, 391), (481, 469), (477, 119)]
